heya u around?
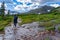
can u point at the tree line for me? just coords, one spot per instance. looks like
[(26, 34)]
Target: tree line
[(2, 10)]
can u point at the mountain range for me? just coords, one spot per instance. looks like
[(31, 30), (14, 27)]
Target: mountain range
[(43, 9)]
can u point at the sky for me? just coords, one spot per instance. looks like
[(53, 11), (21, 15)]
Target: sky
[(27, 5)]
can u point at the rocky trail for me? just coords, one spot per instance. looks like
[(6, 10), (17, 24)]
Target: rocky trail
[(30, 31)]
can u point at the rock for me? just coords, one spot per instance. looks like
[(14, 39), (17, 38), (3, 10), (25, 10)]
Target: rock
[(9, 31), (34, 24), (1, 36), (9, 37)]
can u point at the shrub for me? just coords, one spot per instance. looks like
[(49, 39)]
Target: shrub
[(1, 28), (59, 28), (50, 28), (46, 24)]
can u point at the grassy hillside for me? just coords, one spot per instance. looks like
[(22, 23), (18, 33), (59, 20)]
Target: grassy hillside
[(28, 18), (46, 20), (5, 21)]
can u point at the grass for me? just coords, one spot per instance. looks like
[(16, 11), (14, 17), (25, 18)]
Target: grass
[(59, 28), (50, 28), (46, 20), (29, 18), (47, 38), (4, 22)]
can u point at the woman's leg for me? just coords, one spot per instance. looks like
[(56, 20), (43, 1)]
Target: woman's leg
[(15, 24)]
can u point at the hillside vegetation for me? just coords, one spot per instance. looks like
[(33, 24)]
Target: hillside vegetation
[(46, 20), (4, 22)]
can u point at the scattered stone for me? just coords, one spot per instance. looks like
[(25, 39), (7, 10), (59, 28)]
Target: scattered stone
[(29, 31), (1, 36)]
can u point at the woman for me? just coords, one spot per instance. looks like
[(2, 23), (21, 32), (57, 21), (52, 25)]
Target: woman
[(15, 20)]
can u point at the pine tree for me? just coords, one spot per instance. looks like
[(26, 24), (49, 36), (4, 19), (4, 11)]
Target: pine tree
[(8, 12), (3, 9)]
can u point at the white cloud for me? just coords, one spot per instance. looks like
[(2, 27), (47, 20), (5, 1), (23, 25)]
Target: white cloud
[(6, 1), (0, 4), (6, 11), (25, 7), (17, 7), (23, 1), (34, 5), (39, 1), (14, 3), (6, 5), (54, 5)]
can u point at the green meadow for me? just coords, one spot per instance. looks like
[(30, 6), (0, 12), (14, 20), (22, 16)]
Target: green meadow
[(46, 20)]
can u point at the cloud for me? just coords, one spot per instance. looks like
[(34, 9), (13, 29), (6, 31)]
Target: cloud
[(5, 5), (14, 3), (26, 5), (0, 4), (54, 5), (45, 1), (6, 1), (34, 5), (23, 1), (6, 11), (17, 7)]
